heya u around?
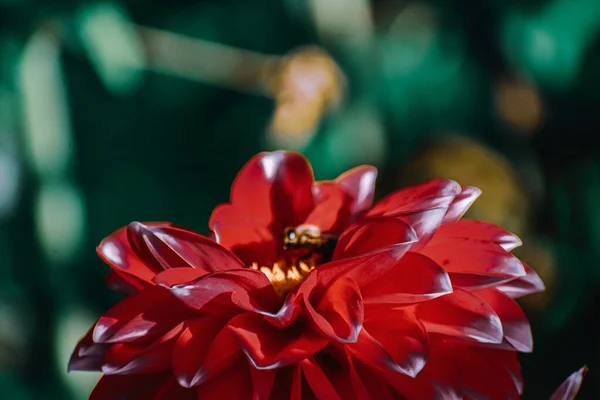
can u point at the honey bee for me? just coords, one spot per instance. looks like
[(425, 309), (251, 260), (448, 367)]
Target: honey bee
[(304, 237)]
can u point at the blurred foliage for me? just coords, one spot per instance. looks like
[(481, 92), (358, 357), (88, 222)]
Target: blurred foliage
[(144, 110)]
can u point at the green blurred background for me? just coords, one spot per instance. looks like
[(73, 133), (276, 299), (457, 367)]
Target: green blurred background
[(144, 110)]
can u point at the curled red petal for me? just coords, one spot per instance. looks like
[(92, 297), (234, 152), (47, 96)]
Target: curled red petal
[(333, 208), (569, 388), (141, 250), (128, 358), (515, 325), (422, 207), (468, 228), (393, 339), (413, 279), (432, 194), (204, 349), (248, 289), (117, 252), (268, 346), (88, 355), (373, 235), (529, 284), (136, 358), (175, 247), (463, 316), (274, 189), (425, 223), (339, 314), (359, 183), (146, 315), (462, 203), (477, 263)]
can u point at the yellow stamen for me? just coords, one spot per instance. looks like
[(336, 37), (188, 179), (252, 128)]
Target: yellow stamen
[(285, 276)]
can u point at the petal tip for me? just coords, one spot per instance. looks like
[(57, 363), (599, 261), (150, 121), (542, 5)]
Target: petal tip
[(569, 388), (187, 381), (101, 331)]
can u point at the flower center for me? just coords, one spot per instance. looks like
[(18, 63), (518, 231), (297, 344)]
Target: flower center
[(304, 248)]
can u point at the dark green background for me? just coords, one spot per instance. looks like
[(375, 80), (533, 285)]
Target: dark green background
[(169, 149)]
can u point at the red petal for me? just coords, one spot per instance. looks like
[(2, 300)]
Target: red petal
[(288, 383), (203, 351), (468, 228), (462, 203), (339, 314), (569, 388), (134, 358), (363, 269), (515, 325), (269, 347), (178, 276), (484, 372), (293, 304), (332, 212), (487, 374), (372, 235), (129, 387), (87, 356), (249, 289), (392, 339), (478, 263), (338, 366), (506, 363), (175, 247), (117, 252), (359, 183), (374, 384), (422, 207), (428, 195), (439, 379), (523, 286), (171, 390), (146, 315), (472, 282), (457, 371), (115, 282), (463, 316), (413, 279), (235, 383), (250, 241), (317, 380), (274, 189)]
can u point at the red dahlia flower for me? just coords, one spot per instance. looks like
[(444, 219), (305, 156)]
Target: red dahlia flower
[(304, 290)]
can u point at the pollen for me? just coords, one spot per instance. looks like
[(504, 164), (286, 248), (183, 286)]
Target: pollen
[(286, 276)]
